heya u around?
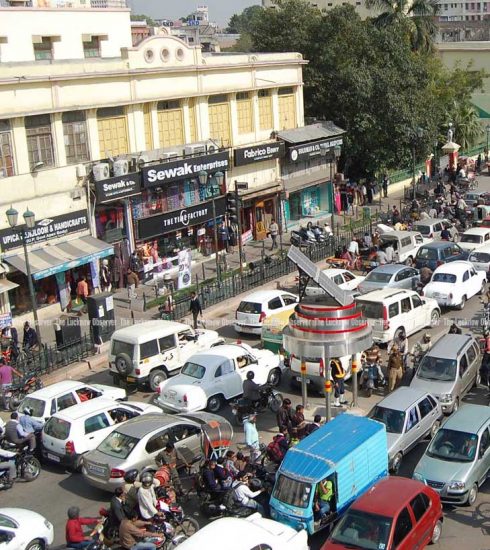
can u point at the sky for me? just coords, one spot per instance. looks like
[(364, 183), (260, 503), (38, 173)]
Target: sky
[(220, 11)]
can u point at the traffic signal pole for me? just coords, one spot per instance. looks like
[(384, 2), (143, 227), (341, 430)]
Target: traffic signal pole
[(239, 222)]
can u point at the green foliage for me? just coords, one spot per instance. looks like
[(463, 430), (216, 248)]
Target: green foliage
[(143, 17), (244, 22)]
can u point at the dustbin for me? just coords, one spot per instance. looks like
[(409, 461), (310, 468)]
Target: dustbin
[(67, 331)]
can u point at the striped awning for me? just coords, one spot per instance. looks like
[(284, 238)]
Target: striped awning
[(52, 259)]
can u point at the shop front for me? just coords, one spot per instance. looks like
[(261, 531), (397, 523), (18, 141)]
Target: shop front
[(55, 267)]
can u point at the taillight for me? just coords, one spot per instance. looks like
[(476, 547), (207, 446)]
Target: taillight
[(386, 323), (263, 315), (158, 389), (185, 398), (322, 368), (116, 473), (137, 371), (70, 448)]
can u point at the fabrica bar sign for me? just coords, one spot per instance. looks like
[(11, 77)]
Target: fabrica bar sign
[(179, 219), (45, 230), (118, 188), (154, 176), (258, 153)]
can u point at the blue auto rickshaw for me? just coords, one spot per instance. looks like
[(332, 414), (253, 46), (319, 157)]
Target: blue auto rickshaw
[(350, 452)]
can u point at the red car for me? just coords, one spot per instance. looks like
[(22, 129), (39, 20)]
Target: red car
[(396, 513)]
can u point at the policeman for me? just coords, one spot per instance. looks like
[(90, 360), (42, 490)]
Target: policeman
[(338, 375)]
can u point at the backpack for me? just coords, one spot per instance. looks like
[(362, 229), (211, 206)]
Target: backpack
[(274, 451), (229, 499)]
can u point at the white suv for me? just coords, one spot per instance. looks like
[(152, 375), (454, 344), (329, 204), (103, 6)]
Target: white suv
[(391, 312), (150, 352)]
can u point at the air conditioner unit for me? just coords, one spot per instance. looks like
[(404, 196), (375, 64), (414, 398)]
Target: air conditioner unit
[(194, 149), (169, 155), (212, 148), (76, 194), (101, 171), (81, 171), (141, 160), (120, 167)]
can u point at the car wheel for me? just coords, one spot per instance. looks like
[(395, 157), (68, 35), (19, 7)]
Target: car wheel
[(274, 378), (77, 467), (434, 318), (434, 428), (397, 462), (35, 544), (472, 495), (462, 304), (477, 381), (123, 363), (456, 406), (436, 533), (156, 378), (215, 403)]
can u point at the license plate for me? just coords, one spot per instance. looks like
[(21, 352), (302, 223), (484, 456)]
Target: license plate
[(299, 379), (54, 458), (98, 470), (130, 379)]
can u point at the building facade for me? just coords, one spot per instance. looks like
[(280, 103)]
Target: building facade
[(328, 5)]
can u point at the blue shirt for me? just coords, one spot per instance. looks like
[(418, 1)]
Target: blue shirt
[(29, 424), (251, 434)]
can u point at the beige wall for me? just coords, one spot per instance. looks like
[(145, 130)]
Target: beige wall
[(327, 5)]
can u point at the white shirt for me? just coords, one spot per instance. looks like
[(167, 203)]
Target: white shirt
[(354, 247), (381, 257), (390, 253), (461, 204), (243, 494), (433, 213), (147, 502)]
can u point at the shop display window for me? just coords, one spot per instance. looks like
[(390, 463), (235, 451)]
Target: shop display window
[(109, 223)]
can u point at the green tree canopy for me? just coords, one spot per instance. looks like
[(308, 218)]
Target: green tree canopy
[(243, 22), (143, 17)]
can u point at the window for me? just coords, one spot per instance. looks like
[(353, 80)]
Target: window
[(193, 370), (466, 276), (66, 401), (39, 140), (265, 110), (402, 275), (219, 118), (348, 277), (425, 407), (91, 48), (75, 135), (57, 428), (43, 50), (170, 123), (471, 355), (338, 280), (275, 303), (406, 305), (96, 423), (413, 418), (157, 442), (118, 445), (6, 152), (463, 365), (166, 342), (484, 442), (122, 347), (244, 113), (287, 108), (113, 132), (419, 505), (289, 300), (393, 310), (402, 528), (183, 431), (292, 492), (416, 301), (225, 368), (148, 349), (406, 241)]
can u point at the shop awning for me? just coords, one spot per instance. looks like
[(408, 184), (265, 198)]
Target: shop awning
[(5, 285), (260, 190), (319, 130), (56, 258)]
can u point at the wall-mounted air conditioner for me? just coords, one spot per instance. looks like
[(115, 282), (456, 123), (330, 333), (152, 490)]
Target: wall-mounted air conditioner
[(81, 171), (212, 148), (169, 155), (120, 167), (101, 171), (194, 149)]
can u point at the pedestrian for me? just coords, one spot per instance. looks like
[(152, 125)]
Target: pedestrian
[(485, 364), (169, 457), (395, 368), (454, 329), (132, 281), (251, 436), (390, 253), (82, 289), (284, 416), (338, 375), (298, 421), (364, 194), (313, 426), (385, 186), (105, 276), (29, 340), (401, 342), (273, 232), (224, 236), (195, 308), (381, 257), (369, 192), (6, 376)]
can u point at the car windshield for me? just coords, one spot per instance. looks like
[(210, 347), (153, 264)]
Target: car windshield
[(118, 445), (437, 368), (425, 253), (362, 530), (471, 239), (482, 257), (292, 492), (193, 370), (453, 446), (393, 420), (57, 428), (378, 277), (6, 521), (122, 347), (371, 310), (250, 307), (37, 406), (424, 229), (443, 278)]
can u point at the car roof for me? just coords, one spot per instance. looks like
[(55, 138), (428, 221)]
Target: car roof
[(483, 248), (147, 423), (449, 345), (399, 233), (55, 389), (469, 418), (403, 398), (388, 496), (263, 295), (390, 268), (332, 271), (383, 293), (458, 266), (215, 355), (87, 407), (477, 231), (149, 329), (430, 221), (437, 244)]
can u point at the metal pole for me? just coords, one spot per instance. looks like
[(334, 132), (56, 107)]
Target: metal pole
[(279, 218), (413, 169), (31, 288), (328, 390), (304, 390), (354, 370), (239, 219), (218, 273)]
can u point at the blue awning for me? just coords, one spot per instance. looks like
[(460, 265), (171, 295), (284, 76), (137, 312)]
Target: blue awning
[(52, 259)]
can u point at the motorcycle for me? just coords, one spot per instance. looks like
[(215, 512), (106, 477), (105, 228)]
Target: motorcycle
[(174, 513), (14, 396), (370, 379), (485, 318), (269, 399), (166, 536), (299, 238), (28, 466)]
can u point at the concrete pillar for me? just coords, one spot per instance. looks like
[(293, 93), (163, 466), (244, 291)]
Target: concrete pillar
[(93, 134), (19, 139), (202, 118), (58, 139), (233, 120), (136, 128), (255, 110), (275, 110)]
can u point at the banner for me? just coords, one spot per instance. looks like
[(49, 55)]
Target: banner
[(63, 289), (118, 188), (258, 153), (185, 269), (5, 320), (313, 149), (94, 273)]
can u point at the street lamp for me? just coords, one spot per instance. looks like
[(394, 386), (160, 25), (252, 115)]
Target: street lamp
[(415, 135), (30, 222), (488, 135), (203, 180)]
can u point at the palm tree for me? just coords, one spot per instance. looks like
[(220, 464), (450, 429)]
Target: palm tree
[(467, 125), (419, 16)]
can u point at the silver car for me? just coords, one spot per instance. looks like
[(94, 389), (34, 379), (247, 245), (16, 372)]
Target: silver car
[(409, 416), (390, 276), (138, 441), (457, 461)]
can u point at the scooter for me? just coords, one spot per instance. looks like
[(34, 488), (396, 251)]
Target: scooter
[(269, 399), (28, 466), (370, 379)]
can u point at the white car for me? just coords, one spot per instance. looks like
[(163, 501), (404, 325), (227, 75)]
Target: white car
[(252, 533), (344, 279), (22, 529), (57, 397), (210, 378), (474, 238), (71, 433), (258, 305), (454, 283)]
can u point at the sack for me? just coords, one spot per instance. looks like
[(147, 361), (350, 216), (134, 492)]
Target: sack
[(230, 500), (274, 451)]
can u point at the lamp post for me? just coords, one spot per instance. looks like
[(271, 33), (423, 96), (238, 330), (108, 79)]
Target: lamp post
[(203, 180), (415, 135), (488, 135), (30, 222)]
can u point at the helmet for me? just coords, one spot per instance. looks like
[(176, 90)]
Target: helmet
[(130, 476), (73, 512), (250, 375), (146, 479), (28, 411)]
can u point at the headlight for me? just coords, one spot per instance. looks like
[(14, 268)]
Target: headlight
[(457, 486), (446, 398), (418, 477)]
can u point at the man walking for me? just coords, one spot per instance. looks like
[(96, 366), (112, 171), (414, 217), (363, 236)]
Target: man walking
[(285, 417), (252, 436), (395, 368), (274, 232), (338, 375), (195, 308), (6, 376)]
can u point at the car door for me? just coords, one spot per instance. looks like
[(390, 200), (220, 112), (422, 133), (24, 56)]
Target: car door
[(9, 540), (424, 520), (413, 431), (407, 315), (289, 301), (464, 374), (428, 414), (475, 281), (275, 305), (187, 343), (227, 380), (351, 282), (155, 444), (402, 279), (171, 355), (252, 364), (402, 531), (473, 365), (187, 440), (66, 400), (421, 314)]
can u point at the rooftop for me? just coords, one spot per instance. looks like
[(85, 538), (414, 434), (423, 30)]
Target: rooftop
[(64, 4)]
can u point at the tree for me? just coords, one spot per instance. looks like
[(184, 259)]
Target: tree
[(468, 130), (416, 17), (143, 17), (243, 22)]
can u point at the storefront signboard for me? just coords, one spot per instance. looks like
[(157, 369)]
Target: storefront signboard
[(185, 269), (258, 153), (5, 320), (118, 188), (187, 168), (168, 222), (45, 230), (312, 149)]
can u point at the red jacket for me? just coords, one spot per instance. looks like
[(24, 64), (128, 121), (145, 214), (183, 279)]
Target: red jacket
[(74, 531)]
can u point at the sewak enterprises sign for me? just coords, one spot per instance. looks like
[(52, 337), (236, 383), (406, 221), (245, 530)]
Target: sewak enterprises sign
[(189, 168)]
